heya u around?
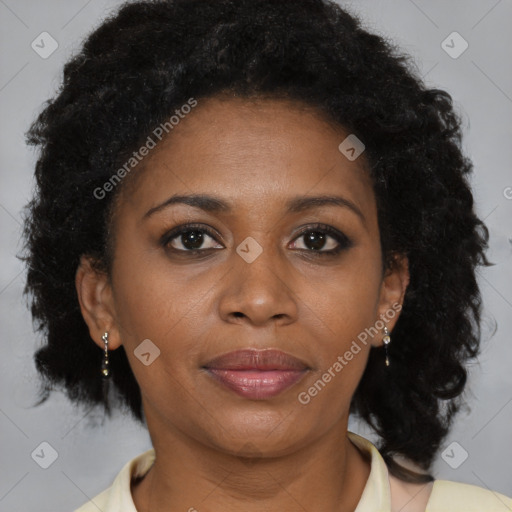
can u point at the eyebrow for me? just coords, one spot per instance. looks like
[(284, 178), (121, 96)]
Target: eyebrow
[(296, 204)]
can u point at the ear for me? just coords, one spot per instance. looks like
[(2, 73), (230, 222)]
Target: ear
[(392, 293), (97, 303)]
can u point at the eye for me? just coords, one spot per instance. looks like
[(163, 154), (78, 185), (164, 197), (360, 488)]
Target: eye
[(190, 238), (318, 240), (322, 239)]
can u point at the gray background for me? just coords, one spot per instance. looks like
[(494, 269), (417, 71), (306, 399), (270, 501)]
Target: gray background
[(90, 453)]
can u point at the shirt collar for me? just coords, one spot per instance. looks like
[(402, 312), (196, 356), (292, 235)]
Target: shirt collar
[(376, 493)]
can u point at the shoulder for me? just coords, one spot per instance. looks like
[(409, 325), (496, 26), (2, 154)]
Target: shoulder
[(445, 496), (448, 496)]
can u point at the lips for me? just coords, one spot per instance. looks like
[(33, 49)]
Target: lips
[(253, 359), (256, 374)]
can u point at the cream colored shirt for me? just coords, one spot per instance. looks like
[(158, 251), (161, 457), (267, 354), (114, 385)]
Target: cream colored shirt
[(442, 496)]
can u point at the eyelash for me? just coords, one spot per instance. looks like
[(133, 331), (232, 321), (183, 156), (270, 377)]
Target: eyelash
[(343, 241)]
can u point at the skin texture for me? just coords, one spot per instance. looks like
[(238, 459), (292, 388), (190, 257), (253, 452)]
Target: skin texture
[(255, 155)]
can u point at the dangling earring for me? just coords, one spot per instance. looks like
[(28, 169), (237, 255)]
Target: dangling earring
[(386, 339), (105, 367)]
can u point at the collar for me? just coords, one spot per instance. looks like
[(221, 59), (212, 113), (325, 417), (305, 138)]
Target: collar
[(376, 493)]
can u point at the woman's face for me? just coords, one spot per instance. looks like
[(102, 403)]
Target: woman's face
[(266, 276)]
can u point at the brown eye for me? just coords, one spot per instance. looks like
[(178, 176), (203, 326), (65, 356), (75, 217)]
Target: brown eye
[(190, 239), (323, 240), (317, 240)]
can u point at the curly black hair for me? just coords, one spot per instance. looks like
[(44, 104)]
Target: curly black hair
[(146, 60)]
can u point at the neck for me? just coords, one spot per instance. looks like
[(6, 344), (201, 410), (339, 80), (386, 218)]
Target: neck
[(328, 474)]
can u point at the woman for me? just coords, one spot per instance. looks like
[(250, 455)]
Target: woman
[(253, 219)]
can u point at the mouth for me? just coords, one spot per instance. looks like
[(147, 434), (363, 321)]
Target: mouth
[(257, 374)]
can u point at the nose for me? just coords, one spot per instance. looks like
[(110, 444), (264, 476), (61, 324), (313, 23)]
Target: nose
[(260, 292)]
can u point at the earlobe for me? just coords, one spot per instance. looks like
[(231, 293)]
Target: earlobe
[(96, 302)]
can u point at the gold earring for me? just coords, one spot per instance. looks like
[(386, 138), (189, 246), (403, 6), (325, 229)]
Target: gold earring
[(105, 366), (386, 339)]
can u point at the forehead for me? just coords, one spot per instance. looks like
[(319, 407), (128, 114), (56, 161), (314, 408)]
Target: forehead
[(256, 150)]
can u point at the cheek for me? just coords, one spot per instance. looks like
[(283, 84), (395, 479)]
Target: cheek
[(165, 305), (344, 299), (150, 298), (340, 308), (344, 308)]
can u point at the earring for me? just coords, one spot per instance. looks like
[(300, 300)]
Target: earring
[(105, 367), (386, 339)]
